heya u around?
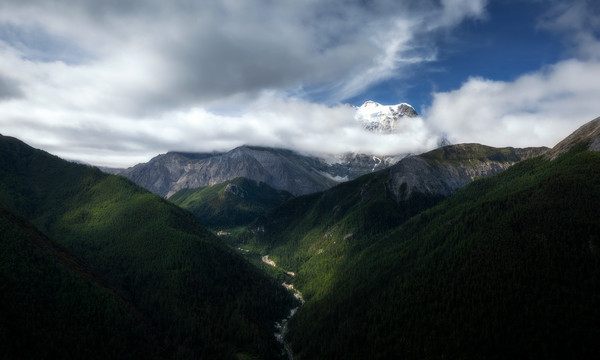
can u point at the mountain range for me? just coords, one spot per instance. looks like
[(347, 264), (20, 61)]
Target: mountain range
[(281, 169), (408, 263), (466, 251)]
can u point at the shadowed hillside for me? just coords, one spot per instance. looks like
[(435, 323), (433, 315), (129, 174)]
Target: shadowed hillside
[(311, 235), (53, 305), (202, 298), (230, 204), (508, 267)]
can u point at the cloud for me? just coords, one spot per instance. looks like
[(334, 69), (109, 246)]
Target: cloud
[(9, 88), (455, 11), (93, 79), (201, 52), (536, 109), (578, 22), (271, 120)]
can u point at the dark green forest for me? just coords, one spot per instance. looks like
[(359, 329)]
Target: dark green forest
[(231, 204), (202, 299), (54, 306), (508, 267), (313, 234)]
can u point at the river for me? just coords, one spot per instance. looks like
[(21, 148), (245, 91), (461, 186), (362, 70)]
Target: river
[(282, 325)]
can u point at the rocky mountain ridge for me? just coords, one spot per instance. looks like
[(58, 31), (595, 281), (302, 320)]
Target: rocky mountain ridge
[(279, 168), (446, 169), (588, 134)]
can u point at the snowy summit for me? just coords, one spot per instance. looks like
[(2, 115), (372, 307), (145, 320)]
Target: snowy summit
[(385, 119)]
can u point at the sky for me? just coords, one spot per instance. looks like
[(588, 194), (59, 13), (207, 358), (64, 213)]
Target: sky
[(116, 82)]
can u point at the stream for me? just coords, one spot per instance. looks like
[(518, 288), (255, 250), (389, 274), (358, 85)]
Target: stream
[(282, 325)]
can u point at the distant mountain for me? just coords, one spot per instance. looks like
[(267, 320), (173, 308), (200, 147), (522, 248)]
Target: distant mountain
[(385, 119), (201, 298), (230, 204), (444, 170), (279, 168)]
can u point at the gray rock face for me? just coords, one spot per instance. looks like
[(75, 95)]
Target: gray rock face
[(350, 166), (588, 134), (235, 190), (281, 169), (445, 170), (416, 174)]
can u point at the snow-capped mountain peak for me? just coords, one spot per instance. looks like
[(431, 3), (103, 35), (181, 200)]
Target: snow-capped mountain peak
[(383, 118)]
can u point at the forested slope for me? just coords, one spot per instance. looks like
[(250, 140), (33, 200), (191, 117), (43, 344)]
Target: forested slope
[(202, 298), (312, 235), (52, 305), (508, 267), (231, 204)]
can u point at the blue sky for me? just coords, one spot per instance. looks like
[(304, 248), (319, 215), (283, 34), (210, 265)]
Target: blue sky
[(503, 44), (117, 82)]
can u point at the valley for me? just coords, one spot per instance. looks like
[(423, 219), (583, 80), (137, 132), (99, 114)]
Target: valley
[(463, 251), (300, 180), (282, 325)]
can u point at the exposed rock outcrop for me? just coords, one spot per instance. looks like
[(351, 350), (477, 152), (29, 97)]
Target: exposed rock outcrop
[(445, 170), (588, 134), (279, 168)]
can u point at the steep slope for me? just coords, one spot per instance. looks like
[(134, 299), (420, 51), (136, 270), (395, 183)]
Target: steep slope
[(588, 134), (230, 204), (204, 300), (311, 235), (444, 170), (52, 305), (279, 168), (508, 267)]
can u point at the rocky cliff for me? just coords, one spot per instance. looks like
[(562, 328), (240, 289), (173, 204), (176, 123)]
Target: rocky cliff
[(444, 170), (588, 135), (279, 168)]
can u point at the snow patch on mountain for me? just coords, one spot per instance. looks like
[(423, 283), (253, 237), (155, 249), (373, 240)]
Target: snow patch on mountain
[(385, 119)]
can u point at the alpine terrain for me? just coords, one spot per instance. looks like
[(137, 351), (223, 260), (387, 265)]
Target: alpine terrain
[(281, 169)]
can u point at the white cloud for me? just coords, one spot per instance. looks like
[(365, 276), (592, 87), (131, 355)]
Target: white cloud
[(455, 11), (537, 109), (94, 79), (578, 22), (112, 140)]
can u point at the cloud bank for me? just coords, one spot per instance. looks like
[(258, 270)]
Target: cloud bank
[(115, 82), (538, 108)]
